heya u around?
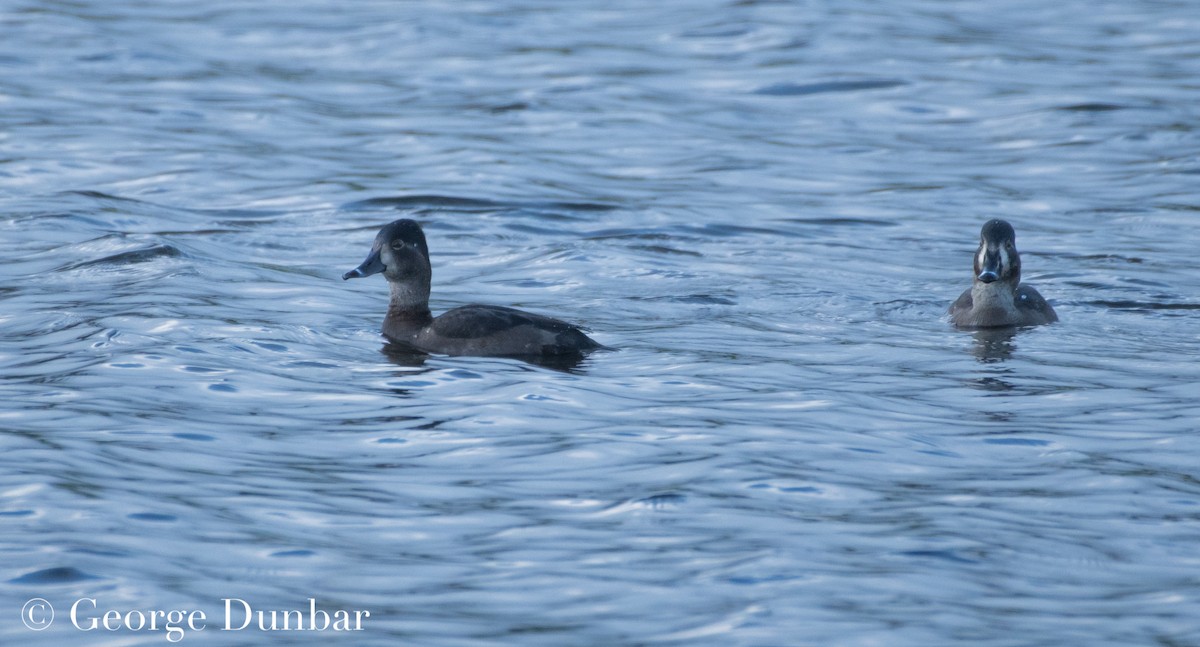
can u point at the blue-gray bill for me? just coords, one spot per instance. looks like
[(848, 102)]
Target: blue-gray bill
[(373, 265)]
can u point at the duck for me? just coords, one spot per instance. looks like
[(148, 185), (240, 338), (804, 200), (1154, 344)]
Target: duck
[(401, 254), (997, 298)]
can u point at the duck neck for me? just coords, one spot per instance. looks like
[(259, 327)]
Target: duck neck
[(408, 311), (999, 295)]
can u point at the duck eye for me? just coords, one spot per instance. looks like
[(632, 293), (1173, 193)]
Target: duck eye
[(399, 244)]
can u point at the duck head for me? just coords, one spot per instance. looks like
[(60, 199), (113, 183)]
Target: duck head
[(399, 252), (997, 258)]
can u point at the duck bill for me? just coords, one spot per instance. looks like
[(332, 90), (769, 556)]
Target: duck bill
[(373, 265), (991, 267)]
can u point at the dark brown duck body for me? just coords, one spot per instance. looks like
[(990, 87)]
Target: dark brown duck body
[(997, 297), (401, 254)]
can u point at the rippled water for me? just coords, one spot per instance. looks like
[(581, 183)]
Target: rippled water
[(765, 206)]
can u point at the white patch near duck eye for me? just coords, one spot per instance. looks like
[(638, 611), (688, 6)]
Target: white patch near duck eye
[(979, 258), (1003, 260)]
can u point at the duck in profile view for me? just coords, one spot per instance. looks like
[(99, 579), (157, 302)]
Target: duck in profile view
[(996, 297), (401, 255)]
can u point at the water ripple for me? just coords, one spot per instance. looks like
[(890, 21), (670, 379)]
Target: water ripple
[(765, 207)]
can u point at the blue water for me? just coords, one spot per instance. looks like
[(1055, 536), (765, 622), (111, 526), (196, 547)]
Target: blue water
[(765, 206)]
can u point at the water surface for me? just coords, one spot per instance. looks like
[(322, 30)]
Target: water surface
[(767, 207)]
